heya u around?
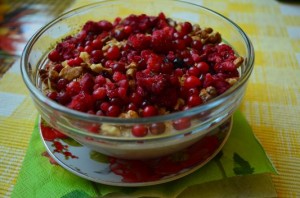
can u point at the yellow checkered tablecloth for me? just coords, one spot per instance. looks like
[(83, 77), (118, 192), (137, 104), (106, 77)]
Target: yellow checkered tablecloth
[(271, 104)]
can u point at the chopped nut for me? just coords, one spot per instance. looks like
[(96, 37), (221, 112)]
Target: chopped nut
[(98, 68), (70, 73), (171, 22), (130, 72), (238, 61), (162, 111), (129, 114), (204, 34), (231, 81), (208, 93), (178, 27), (215, 38), (43, 75), (198, 38), (53, 74), (85, 57), (49, 84), (204, 95), (110, 130), (196, 27), (131, 65), (180, 102), (105, 48), (65, 64), (113, 42), (211, 90), (208, 30), (131, 84)]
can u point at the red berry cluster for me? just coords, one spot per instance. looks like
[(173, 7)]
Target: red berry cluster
[(151, 65)]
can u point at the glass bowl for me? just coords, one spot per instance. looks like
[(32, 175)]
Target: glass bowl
[(204, 118)]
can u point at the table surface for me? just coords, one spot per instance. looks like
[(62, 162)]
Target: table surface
[(271, 104)]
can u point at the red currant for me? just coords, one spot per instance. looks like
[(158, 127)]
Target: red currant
[(157, 128), (113, 53), (149, 111), (182, 123), (192, 82), (203, 67), (139, 130), (99, 93)]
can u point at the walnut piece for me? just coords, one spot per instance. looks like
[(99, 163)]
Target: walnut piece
[(70, 73), (110, 130), (129, 114), (238, 61), (208, 93)]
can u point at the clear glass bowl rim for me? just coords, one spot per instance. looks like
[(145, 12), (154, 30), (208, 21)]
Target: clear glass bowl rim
[(104, 119)]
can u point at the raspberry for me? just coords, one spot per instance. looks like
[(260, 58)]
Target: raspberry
[(73, 88), (162, 40), (99, 93), (82, 102), (139, 41), (154, 63), (153, 83), (87, 83)]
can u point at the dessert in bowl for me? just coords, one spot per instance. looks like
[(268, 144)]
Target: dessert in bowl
[(138, 79)]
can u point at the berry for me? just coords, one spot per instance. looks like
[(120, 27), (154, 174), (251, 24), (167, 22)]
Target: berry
[(149, 111), (52, 95), (182, 123), (105, 25), (157, 128), (99, 93), (192, 82), (63, 98), (186, 27), (87, 83), (61, 84), (139, 130), (54, 56), (196, 44), (113, 53), (139, 41), (113, 111), (203, 67), (75, 61), (82, 102), (194, 100), (73, 88)]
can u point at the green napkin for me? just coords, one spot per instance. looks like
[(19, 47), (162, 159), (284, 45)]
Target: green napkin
[(239, 168)]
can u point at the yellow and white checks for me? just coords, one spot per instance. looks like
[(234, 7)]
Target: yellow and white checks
[(271, 104)]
